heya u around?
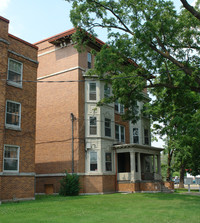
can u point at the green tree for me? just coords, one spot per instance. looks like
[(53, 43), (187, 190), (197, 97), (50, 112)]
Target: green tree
[(151, 46)]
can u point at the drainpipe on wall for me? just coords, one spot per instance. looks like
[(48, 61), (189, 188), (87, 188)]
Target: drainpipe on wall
[(72, 118)]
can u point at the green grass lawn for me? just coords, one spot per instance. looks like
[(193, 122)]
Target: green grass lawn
[(112, 208), (185, 190)]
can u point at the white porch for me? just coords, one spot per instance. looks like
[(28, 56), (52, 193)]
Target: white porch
[(136, 163)]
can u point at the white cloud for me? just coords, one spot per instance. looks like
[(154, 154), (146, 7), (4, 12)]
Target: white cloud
[(4, 5)]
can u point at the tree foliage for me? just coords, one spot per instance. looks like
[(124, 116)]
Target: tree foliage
[(151, 46)]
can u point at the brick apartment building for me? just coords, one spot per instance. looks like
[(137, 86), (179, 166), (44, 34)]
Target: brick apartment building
[(18, 62), (109, 154)]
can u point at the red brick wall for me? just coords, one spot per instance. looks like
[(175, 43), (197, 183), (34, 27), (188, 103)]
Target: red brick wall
[(41, 183), (25, 138), (140, 186), (89, 184), (55, 103), (14, 187)]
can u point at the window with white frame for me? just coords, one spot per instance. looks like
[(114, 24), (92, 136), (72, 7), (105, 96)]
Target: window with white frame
[(108, 127), (92, 91), (106, 91), (13, 115), (120, 133), (119, 107), (135, 135), (146, 136), (15, 69), (93, 161), (108, 161), (89, 60), (93, 125), (11, 158)]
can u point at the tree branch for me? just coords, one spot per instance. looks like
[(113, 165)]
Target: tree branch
[(115, 15), (191, 9)]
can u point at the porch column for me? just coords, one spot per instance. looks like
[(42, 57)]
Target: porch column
[(150, 163), (154, 167), (132, 156), (139, 166), (154, 164), (159, 164)]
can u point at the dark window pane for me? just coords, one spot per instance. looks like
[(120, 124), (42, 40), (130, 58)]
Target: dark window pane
[(108, 166), (12, 76), (107, 127), (108, 160), (93, 161), (135, 135), (93, 167), (10, 164), (93, 130), (92, 94)]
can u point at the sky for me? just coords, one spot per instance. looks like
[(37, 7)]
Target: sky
[(35, 20)]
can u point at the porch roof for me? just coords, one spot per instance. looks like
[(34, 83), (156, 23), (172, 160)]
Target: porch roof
[(137, 147)]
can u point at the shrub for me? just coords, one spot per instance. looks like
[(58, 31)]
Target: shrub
[(69, 185)]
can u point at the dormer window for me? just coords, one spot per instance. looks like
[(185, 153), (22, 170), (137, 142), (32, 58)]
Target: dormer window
[(89, 60)]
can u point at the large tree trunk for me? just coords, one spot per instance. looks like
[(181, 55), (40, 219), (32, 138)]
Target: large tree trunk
[(182, 174), (169, 159)]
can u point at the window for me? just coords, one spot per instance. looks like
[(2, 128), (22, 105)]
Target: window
[(15, 73), (108, 161), (11, 158), (93, 161), (120, 133), (135, 135), (13, 114), (119, 107), (106, 91), (107, 127), (92, 91), (93, 126), (89, 60), (146, 137)]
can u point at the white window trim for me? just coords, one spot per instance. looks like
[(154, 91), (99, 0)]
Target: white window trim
[(137, 135), (120, 138), (119, 108), (92, 91), (104, 89), (90, 126), (18, 153), (9, 126), (107, 171), (12, 83), (93, 171), (110, 121), (146, 137)]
